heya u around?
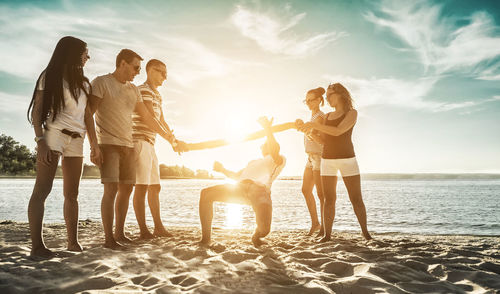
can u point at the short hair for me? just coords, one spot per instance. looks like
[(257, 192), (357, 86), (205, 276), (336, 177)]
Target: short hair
[(154, 62), (127, 55)]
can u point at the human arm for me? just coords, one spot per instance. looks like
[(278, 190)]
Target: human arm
[(218, 167), (178, 145), (149, 119), (43, 153), (315, 135), (95, 152), (346, 124), (272, 144)]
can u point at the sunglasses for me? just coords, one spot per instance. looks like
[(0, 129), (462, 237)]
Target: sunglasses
[(305, 101), (160, 71), (137, 68)]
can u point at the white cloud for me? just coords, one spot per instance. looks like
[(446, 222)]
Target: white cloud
[(276, 36), (441, 45), (401, 93), (28, 36)]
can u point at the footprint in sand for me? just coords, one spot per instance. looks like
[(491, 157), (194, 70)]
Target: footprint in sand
[(145, 280), (184, 280), (341, 269)]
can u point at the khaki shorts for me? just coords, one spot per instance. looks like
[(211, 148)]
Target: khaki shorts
[(255, 194), (313, 161), (118, 164), (346, 166), (147, 171), (63, 144)]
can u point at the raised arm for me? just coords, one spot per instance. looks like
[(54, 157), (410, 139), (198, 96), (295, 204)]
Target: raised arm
[(272, 144), (346, 124)]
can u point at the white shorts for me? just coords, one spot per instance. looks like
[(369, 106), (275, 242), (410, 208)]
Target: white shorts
[(347, 167), (147, 171), (313, 161), (64, 144)]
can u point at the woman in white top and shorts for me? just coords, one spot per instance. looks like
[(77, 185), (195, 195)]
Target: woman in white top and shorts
[(59, 115), (313, 148), (338, 156)]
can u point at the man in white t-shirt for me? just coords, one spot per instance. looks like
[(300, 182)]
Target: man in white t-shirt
[(114, 99), (253, 188)]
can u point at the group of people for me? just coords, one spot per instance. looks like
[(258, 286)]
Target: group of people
[(121, 121)]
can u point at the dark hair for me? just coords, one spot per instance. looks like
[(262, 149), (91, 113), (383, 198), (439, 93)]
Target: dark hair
[(338, 88), (154, 62), (127, 55), (66, 62), (318, 92)]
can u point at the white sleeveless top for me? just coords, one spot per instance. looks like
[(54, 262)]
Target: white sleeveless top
[(72, 115)]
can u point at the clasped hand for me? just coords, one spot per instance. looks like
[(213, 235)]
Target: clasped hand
[(180, 146), (304, 127)]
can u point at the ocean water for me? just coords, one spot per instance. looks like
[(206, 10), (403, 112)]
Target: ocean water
[(469, 207)]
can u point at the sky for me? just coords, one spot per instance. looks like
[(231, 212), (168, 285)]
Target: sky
[(425, 75)]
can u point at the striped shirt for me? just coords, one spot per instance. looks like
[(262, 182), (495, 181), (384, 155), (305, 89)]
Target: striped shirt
[(310, 145), (141, 131)]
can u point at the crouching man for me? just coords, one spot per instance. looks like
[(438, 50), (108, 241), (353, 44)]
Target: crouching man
[(253, 188)]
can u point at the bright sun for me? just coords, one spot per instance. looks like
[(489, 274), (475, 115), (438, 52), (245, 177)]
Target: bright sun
[(233, 216)]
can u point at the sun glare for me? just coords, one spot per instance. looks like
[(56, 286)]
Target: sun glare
[(233, 216)]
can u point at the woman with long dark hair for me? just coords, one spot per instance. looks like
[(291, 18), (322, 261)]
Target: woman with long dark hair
[(338, 156), (60, 117)]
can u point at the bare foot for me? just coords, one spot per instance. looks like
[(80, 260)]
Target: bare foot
[(123, 239), (42, 252), (313, 229), (113, 245), (146, 236), (321, 232), (367, 236), (325, 239), (257, 242), (76, 247), (162, 233), (204, 242)]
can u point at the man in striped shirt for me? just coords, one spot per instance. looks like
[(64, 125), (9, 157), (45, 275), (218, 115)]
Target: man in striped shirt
[(147, 169)]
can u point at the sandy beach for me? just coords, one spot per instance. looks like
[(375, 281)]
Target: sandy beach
[(291, 262)]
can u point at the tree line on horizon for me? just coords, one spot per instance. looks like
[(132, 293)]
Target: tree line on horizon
[(17, 160)]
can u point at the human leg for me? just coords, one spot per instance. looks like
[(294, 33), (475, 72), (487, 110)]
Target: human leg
[(319, 191), (140, 210), (353, 185), (127, 176), (72, 171), (329, 184), (154, 206), (43, 185), (263, 218), (307, 188), (222, 193), (107, 214), (121, 209)]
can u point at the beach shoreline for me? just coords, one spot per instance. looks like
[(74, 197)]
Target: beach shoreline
[(291, 262)]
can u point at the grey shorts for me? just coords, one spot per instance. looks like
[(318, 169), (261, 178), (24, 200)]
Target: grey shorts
[(118, 164)]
